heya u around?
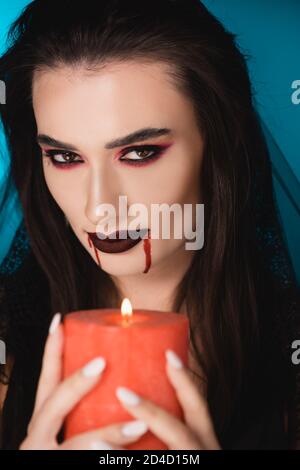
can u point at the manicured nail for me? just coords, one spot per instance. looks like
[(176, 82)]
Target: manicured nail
[(135, 428), (173, 359), (54, 323), (94, 367), (100, 445), (127, 396)]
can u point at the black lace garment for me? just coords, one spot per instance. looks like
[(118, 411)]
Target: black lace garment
[(24, 321)]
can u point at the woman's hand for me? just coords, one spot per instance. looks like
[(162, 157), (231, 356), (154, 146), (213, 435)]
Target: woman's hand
[(196, 432), (55, 399)]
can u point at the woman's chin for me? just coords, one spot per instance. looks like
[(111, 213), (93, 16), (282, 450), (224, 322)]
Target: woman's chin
[(116, 265)]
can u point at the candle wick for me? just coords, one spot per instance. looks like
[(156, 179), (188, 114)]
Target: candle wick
[(126, 320)]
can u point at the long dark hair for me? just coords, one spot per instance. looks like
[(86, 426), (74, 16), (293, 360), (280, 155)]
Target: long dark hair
[(233, 297)]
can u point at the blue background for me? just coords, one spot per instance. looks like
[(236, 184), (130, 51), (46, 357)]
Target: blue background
[(268, 31)]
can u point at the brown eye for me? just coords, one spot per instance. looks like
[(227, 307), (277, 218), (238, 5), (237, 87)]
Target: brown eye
[(68, 156), (64, 157), (60, 158), (142, 153)]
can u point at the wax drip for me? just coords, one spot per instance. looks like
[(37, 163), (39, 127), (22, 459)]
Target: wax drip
[(95, 251), (147, 250)]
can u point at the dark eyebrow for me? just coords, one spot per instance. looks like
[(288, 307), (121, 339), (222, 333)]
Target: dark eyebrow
[(137, 136), (47, 140)]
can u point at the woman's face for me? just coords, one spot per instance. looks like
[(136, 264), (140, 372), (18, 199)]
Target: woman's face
[(83, 114)]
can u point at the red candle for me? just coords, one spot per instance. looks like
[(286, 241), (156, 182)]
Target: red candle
[(133, 345)]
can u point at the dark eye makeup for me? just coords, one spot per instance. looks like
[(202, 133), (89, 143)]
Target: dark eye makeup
[(69, 159)]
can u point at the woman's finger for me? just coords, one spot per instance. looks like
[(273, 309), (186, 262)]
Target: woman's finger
[(173, 432), (48, 421), (196, 432), (195, 407), (115, 436), (77, 443), (51, 365)]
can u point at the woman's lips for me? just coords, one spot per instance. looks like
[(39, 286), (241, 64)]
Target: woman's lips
[(121, 242)]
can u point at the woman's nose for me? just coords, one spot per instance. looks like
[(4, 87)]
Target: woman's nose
[(102, 193)]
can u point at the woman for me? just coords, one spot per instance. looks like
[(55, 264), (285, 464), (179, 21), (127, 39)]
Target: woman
[(151, 100)]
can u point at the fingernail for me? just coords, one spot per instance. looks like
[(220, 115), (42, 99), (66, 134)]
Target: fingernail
[(94, 367), (135, 428), (100, 445), (173, 359), (54, 323), (127, 396)]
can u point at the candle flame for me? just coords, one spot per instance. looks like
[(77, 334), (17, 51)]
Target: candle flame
[(126, 309)]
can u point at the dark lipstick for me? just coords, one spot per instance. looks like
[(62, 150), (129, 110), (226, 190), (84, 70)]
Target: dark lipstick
[(121, 242)]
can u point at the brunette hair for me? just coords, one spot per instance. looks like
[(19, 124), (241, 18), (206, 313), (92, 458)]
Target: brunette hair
[(234, 299)]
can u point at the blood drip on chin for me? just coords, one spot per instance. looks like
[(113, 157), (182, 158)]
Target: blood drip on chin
[(147, 250), (95, 251)]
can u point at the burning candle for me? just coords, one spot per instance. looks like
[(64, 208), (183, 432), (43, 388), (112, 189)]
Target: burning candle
[(133, 345)]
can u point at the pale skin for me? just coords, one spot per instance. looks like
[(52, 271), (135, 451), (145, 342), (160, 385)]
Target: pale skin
[(88, 111)]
